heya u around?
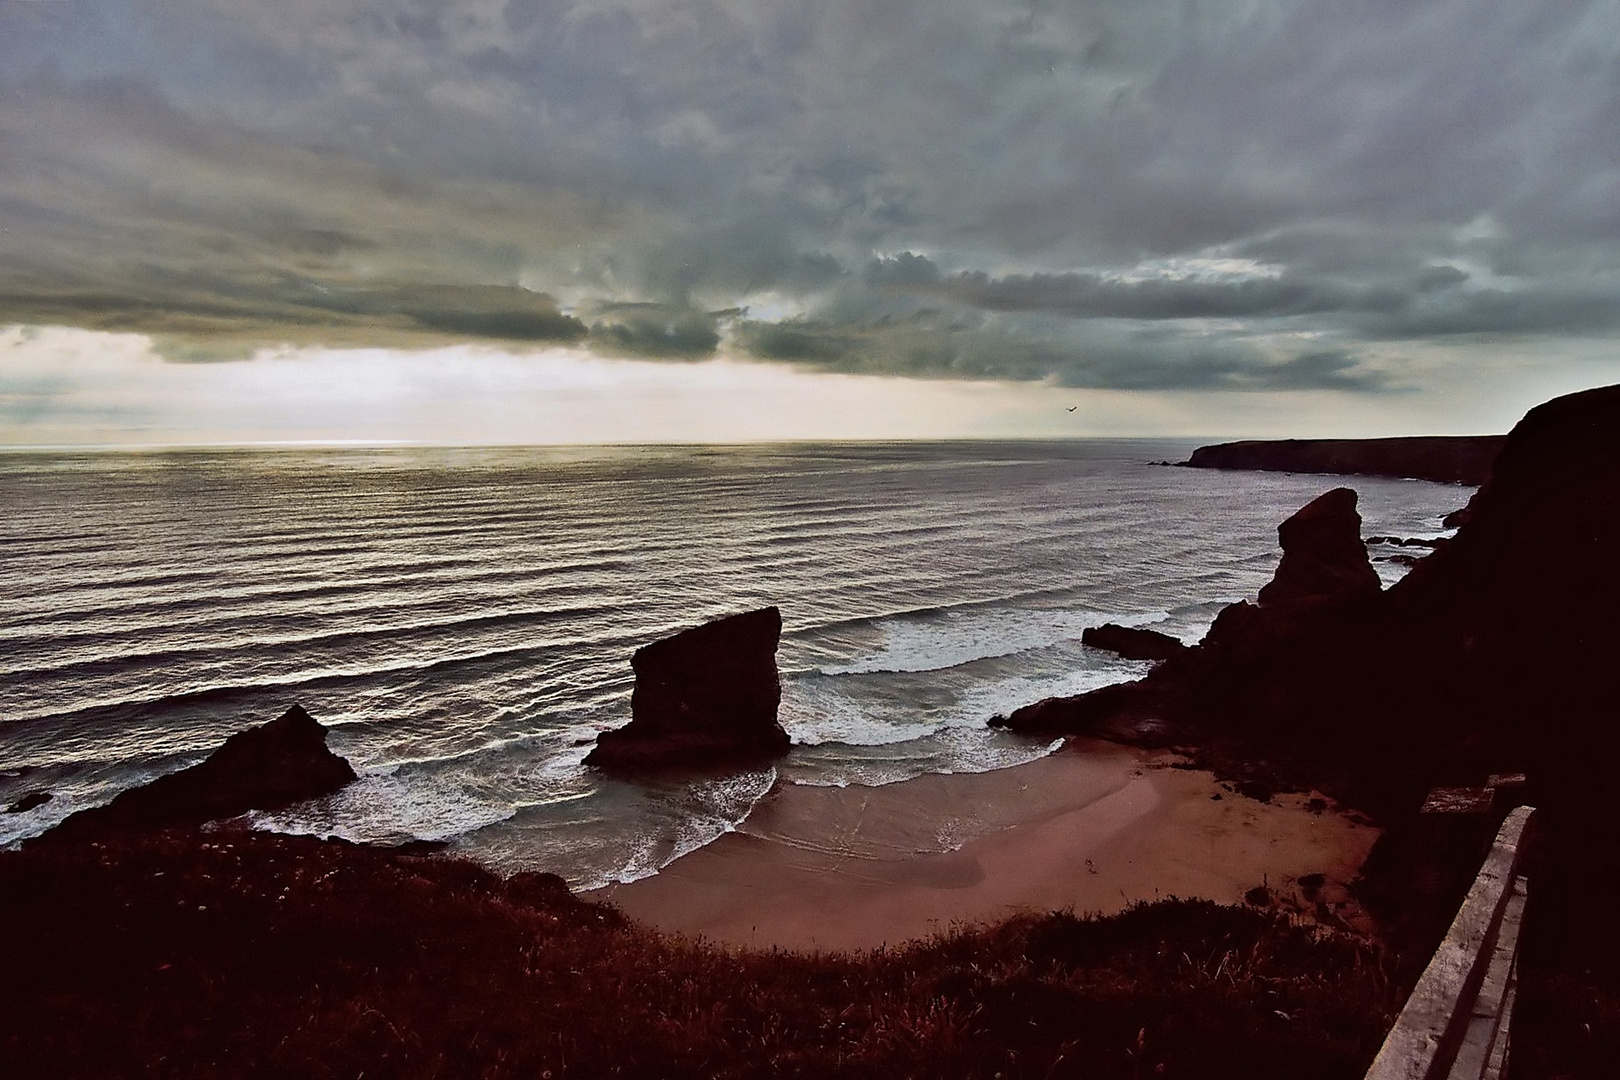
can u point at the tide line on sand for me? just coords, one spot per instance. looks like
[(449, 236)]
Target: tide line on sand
[(1092, 828)]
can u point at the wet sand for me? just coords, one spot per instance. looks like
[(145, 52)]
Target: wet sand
[(1092, 828)]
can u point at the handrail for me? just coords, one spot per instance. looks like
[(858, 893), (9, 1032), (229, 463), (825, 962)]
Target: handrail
[(1454, 1024)]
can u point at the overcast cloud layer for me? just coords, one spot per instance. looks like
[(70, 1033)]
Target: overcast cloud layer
[(1124, 194)]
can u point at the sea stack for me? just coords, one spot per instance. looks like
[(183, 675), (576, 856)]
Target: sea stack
[(1323, 592), (1323, 557), (704, 698), (267, 767)]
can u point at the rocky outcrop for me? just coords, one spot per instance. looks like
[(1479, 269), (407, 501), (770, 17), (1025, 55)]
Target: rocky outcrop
[(1487, 653), (29, 801), (1323, 583), (1324, 559), (1445, 459), (1492, 655), (1127, 711), (267, 767), (1131, 642), (706, 697)]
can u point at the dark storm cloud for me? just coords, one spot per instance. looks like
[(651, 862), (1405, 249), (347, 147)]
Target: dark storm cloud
[(1091, 295), (737, 258), (1127, 192), (1576, 308), (657, 330), (1115, 357)]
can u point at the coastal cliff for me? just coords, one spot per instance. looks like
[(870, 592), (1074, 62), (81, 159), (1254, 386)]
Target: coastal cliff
[(1490, 656), (1464, 459), (1494, 640)]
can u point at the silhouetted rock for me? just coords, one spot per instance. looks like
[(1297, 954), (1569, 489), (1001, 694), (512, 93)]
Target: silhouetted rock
[(705, 697), (29, 801), (1459, 516), (1122, 710), (1133, 643), (1516, 612), (1446, 459), (538, 889), (268, 767), (1232, 677), (1492, 655), (1406, 541), (1323, 554)]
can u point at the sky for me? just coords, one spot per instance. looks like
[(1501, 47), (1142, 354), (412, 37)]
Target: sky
[(520, 221)]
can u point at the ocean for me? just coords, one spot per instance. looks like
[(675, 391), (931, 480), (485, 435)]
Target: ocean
[(463, 619)]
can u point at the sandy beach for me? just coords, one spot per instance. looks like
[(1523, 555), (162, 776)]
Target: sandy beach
[(1092, 828)]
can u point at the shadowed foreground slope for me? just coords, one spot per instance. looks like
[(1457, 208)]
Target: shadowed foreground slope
[(224, 954)]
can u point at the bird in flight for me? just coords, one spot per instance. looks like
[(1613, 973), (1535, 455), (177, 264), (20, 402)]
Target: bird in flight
[(1071, 408)]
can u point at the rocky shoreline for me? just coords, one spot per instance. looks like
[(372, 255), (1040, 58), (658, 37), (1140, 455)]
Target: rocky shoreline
[(1485, 659)]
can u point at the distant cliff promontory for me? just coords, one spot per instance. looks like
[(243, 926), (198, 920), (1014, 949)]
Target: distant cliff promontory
[(1462, 459)]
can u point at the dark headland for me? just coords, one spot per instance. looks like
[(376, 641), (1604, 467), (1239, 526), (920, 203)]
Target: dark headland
[(165, 938), (1461, 459)]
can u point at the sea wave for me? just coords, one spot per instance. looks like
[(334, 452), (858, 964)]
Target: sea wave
[(941, 638), (463, 619)]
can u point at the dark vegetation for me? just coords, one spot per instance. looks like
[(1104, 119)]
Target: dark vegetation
[(227, 953)]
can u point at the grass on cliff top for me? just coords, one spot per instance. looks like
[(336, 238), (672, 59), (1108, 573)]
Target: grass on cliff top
[(239, 954)]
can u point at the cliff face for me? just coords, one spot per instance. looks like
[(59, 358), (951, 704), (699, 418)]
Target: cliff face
[(1493, 655), (1445, 459), (1489, 656), (1517, 611), (1540, 536)]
